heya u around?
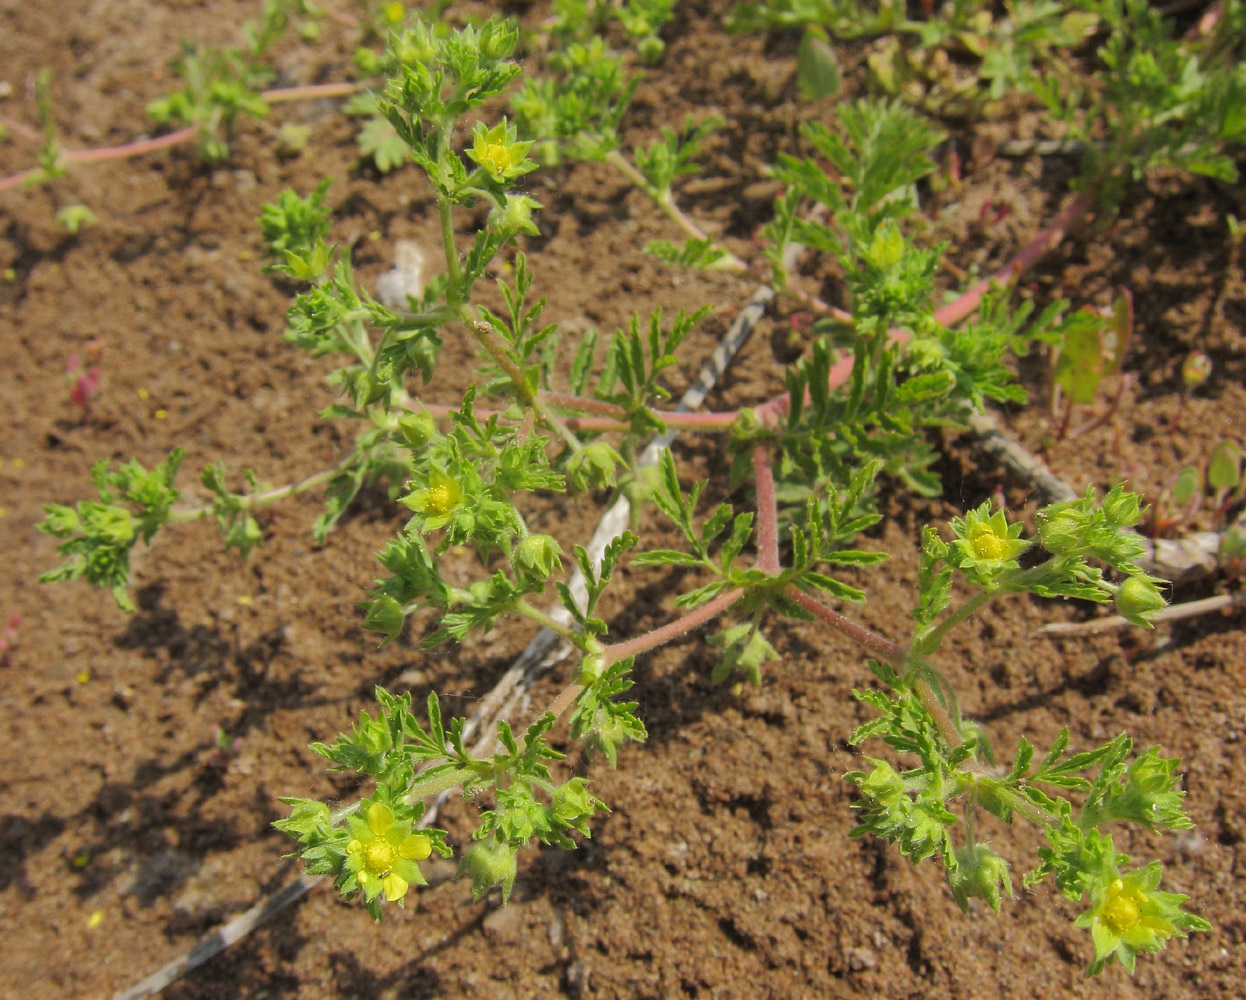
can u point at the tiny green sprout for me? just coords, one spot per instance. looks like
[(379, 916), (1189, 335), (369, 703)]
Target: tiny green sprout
[(1128, 915), (71, 218), (498, 153), (382, 854)]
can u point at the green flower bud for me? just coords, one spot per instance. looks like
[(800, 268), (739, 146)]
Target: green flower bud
[(417, 429), (498, 39), (591, 668), (490, 864), (1061, 532), (882, 783), (593, 467), (980, 874), (384, 615), (747, 425), (1122, 507), (1196, 369), (1138, 599), (60, 520), (415, 47), (572, 803), (369, 62), (515, 217), (538, 555), (651, 50)]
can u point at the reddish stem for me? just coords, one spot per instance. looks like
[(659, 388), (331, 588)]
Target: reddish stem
[(671, 630), (1028, 255), (881, 646), (143, 146), (767, 511), (585, 404)]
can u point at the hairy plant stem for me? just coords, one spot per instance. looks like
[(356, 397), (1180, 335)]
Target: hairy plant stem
[(489, 340), (931, 641), (454, 270), (767, 511), (541, 618), (423, 789), (254, 501), (672, 211), (681, 626), (879, 645)]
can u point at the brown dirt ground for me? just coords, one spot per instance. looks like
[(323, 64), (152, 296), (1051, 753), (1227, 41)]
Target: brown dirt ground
[(725, 869)]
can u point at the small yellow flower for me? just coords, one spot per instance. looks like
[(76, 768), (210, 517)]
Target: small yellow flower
[(437, 501), (495, 157), (1129, 914), (442, 498), (382, 854), (986, 544), (394, 13), (1121, 911)]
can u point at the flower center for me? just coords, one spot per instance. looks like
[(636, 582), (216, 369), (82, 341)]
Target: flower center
[(988, 545), (497, 157), (441, 498), (1121, 913), (378, 858)]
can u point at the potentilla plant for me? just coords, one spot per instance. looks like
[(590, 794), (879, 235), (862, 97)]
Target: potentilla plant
[(854, 411)]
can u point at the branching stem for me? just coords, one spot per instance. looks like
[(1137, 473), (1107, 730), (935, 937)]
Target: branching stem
[(255, 501), (671, 630), (879, 645)]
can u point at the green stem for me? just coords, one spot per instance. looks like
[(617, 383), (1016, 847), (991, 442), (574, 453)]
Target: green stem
[(930, 642), (423, 788), (253, 501), (541, 618), (497, 350), (666, 202), (453, 269)]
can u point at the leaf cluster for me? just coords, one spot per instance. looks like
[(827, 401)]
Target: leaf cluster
[(98, 536)]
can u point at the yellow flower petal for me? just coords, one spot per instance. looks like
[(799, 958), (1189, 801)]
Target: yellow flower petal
[(380, 818), (415, 848), (395, 887)]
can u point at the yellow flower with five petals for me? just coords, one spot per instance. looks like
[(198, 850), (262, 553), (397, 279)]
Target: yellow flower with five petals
[(382, 854)]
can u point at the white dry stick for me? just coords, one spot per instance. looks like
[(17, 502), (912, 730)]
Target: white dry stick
[(1172, 613), (545, 649)]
